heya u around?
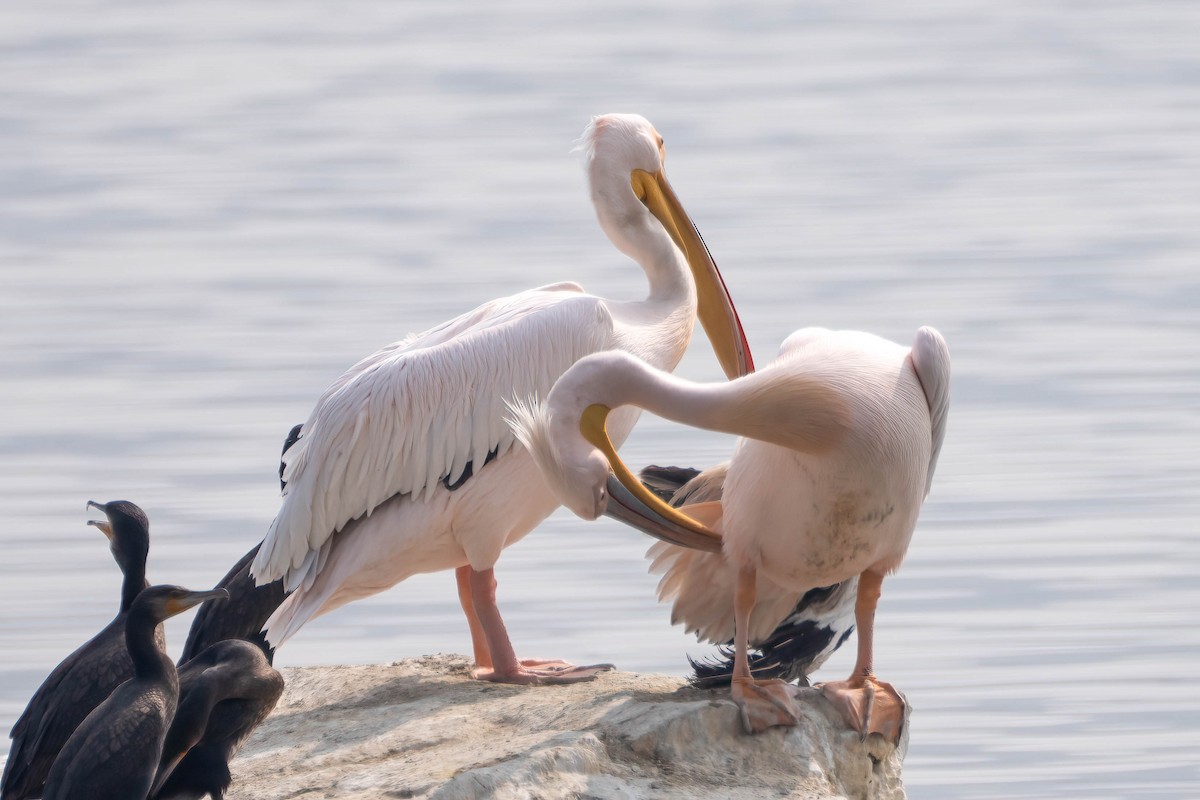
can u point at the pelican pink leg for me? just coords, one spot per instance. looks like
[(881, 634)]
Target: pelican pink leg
[(495, 659), (763, 703), (867, 704)]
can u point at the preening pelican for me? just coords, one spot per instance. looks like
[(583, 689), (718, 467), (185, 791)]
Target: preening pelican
[(820, 622), (841, 435), (406, 465)]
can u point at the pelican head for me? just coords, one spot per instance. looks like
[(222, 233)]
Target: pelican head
[(568, 440), (575, 470), (616, 144), (625, 158)]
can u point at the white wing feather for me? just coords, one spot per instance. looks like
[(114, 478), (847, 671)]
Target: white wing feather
[(418, 411), (700, 587), (931, 360)]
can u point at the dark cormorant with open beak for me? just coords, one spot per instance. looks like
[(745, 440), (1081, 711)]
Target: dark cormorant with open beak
[(88, 675)]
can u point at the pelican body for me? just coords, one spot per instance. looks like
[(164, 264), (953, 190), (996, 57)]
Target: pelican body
[(406, 464), (820, 622), (840, 437)]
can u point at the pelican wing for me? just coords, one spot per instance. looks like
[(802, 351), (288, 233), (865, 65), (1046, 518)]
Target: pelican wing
[(700, 588), (931, 360), (681, 485), (419, 411)]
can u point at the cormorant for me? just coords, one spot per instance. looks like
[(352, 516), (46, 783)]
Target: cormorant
[(88, 675), (114, 753), (224, 694), (240, 616), (243, 615)]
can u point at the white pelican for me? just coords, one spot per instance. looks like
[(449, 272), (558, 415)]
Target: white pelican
[(841, 436), (392, 474), (820, 622)]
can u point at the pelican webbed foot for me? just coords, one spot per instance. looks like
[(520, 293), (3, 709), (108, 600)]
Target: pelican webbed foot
[(542, 672), (868, 705), (765, 703)]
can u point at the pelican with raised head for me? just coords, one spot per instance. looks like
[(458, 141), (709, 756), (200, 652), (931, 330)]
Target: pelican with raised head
[(406, 464), (841, 435)]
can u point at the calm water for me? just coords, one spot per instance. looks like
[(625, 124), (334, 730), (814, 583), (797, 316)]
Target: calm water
[(209, 209)]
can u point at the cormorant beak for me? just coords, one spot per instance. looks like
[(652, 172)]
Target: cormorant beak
[(634, 504), (103, 525), (177, 605), (714, 305)]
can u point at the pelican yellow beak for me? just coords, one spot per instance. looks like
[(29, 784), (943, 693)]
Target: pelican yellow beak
[(634, 504), (714, 305)]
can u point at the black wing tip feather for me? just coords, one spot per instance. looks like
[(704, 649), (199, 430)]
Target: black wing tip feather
[(789, 655), (717, 672), (292, 437), (665, 481)]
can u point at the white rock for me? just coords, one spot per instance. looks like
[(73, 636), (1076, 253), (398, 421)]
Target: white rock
[(423, 729)]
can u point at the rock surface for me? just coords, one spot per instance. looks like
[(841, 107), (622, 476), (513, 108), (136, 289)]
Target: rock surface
[(423, 729)]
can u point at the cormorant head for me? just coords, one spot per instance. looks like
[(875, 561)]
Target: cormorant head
[(127, 529), (163, 602)]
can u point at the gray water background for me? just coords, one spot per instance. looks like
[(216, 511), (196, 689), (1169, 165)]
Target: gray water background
[(209, 209)]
